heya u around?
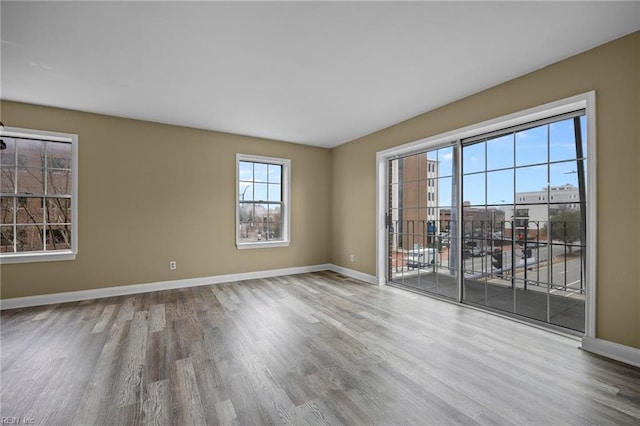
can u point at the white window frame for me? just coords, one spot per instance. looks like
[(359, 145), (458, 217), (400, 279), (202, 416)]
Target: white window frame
[(286, 205), (47, 256), (586, 101)]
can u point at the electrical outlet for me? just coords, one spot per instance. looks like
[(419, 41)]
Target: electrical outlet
[(352, 258), (173, 265)]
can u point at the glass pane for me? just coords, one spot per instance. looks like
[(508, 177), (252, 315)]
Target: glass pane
[(500, 187), (31, 181), (531, 227), (59, 182), (6, 239), (246, 171), (410, 168), (444, 225), (495, 225), (275, 192), (565, 223), (260, 172), (7, 180), (410, 194), (29, 238), (426, 166), (8, 155), (260, 192), (247, 222), (6, 210), (422, 218), (410, 219), (566, 267), (520, 220), (275, 173), (246, 191), (444, 190), (473, 158), (246, 212), (531, 183), (564, 174), (562, 141), (531, 146), (30, 210), (432, 167), (500, 152), (536, 228), (445, 161), (261, 221), (531, 295), (30, 153), (58, 210), (473, 189), (419, 243), (58, 155), (566, 306), (567, 273), (485, 281), (59, 237), (275, 222), (475, 222)]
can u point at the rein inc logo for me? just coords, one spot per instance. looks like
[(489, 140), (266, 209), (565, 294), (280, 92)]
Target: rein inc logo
[(17, 421)]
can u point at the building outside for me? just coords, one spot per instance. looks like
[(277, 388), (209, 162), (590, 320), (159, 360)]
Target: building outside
[(535, 210), (415, 214)]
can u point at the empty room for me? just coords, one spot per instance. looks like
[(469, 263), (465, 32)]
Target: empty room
[(299, 212)]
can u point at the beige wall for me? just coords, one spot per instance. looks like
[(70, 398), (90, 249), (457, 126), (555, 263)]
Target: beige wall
[(613, 71), (150, 193)]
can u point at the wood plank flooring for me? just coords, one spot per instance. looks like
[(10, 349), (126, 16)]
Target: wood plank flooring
[(315, 348)]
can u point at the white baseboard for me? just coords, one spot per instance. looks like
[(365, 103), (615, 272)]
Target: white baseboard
[(612, 350), (75, 296), (371, 279)]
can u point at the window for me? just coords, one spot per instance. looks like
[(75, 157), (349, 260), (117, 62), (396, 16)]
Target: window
[(38, 196), (262, 202)]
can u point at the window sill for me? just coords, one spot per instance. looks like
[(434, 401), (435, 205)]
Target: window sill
[(265, 244), (6, 259)]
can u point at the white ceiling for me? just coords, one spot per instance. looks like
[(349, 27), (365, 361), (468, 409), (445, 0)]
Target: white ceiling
[(317, 73)]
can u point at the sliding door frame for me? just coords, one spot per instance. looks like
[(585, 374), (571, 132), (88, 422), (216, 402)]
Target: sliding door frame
[(584, 101)]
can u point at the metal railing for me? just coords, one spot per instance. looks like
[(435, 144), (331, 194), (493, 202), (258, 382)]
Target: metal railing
[(523, 252)]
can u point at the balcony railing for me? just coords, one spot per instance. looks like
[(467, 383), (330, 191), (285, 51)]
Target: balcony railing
[(523, 253)]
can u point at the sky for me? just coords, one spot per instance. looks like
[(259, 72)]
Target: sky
[(260, 182), (489, 174)]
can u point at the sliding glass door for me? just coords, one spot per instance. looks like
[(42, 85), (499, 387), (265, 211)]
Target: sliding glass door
[(507, 217), (422, 232), (523, 193)]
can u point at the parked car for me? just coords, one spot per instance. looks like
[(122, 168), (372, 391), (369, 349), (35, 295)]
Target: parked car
[(474, 249), (476, 252), (421, 257)]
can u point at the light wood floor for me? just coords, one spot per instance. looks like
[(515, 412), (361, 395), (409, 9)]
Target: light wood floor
[(307, 349)]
